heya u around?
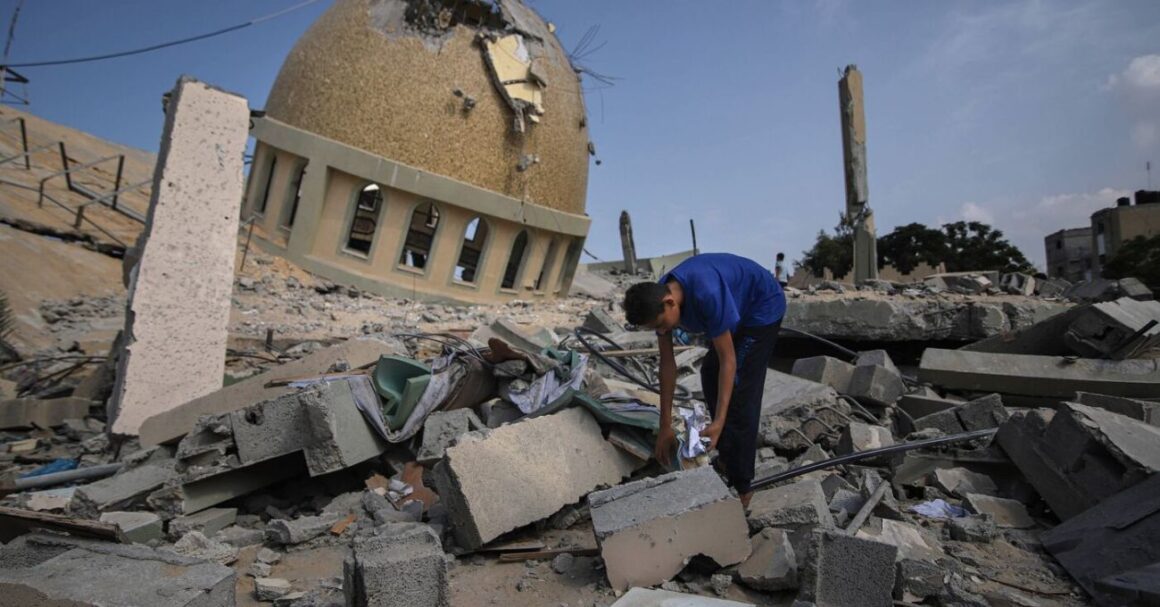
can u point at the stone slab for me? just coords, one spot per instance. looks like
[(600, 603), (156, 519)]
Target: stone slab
[(208, 521), (649, 529), (93, 574), (525, 471), (1145, 411), (126, 489), (652, 597), (179, 292), (1005, 512), (1045, 376), (175, 423), (441, 429), (138, 527)]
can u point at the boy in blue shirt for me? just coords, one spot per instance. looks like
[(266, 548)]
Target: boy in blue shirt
[(739, 306)]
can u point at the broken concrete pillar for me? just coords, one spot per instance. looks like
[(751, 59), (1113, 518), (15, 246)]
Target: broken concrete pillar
[(841, 570), (441, 429), (825, 370), (404, 565), (1115, 329), (772, 565), (179, 296), (858, 211), (173, 424), (42, 413), (876, 385), (627, 245), (649, 529), (1044, 376), (1119, 535), (523, 472), (53, 570)]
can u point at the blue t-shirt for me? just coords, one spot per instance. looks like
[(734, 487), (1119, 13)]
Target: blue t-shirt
[(724, 292)]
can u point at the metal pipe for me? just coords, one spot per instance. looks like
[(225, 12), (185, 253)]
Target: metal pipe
[(68, 476), (861, 455)]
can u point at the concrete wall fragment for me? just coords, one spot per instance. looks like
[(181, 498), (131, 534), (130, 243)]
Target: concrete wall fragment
[(179, 298)]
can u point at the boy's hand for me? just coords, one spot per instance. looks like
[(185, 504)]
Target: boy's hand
[(713, 431), (664, 447)]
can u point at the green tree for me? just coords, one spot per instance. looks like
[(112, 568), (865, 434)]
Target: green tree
[(834, 252), (911, 244), (977, 246), (1137, 258)]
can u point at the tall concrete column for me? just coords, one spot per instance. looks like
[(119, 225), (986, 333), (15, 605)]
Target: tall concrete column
[(626, 243), (854, 162)]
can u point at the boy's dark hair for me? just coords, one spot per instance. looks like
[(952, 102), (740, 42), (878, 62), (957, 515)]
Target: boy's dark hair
[(780, 256), (643, 302)]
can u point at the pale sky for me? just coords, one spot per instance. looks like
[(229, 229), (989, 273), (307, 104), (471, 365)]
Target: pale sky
[(1028, 115)]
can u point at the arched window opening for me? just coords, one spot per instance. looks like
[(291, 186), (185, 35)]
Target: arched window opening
[(471, 253), (570, 260), (297, 189), (364, 224), (264, 202), (549, 261), (515, 260), (420, 236)]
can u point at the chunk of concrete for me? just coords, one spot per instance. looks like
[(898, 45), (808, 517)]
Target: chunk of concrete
[(875, 385), (126, 489), (1006, 513), (946, 421), (342, 437), (649, 529), (651, 597), (783, 391), (1119, 535), (179, 292), (404, 565), (880, 358), (441, 429), (601, 321), (42, 413), (982, 413), (268, 588), (772, 566), (863, 437), (208, 521), (825, 370), (797, 507), (547, 463), (1145, 411), (960, 481), (196, 545), (138, 527), (65, 571), (840, 570), (173, 424), (1115, 329), (906, 537), (497, 412), (301, 529), (977, 529), (1044, 376)]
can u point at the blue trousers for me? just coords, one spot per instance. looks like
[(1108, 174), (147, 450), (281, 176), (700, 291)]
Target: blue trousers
[(737, 446)]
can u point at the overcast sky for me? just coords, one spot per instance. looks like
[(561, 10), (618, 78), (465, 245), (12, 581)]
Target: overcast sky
[(1026, 115)]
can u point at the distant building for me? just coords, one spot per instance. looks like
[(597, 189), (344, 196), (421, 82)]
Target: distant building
[(1069, 254), (1125, 221)]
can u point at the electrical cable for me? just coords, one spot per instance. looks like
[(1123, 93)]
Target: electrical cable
[(861, 455), (680, 393), (162, 45)]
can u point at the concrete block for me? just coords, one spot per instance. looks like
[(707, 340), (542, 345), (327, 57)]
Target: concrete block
[(1006, 513), (848, 501), (1021, 439), (651, 597), (196, 545), (91, 574), (173, 424), (649, 529), (240, 537), (825, 370), (875, 385), (301, 529), (982, 413), (783, 392), (440, 431), (909, 540), (1043, 376), (601, 321), (880, 358), (1114, 329), (268, 589), (1117, 536), (863, 437), (402, 566), (209, 521), (127, 488), (342, 438), (839, 570), (1145, 411), (916, 581), (191, 495), (960, 481), (271, 428), (976, 529), (946, 421), (42, 413), (548, 462), (138, 527), (179, 293), (772, 565), (497, 412), (833, 482), (797, 508)]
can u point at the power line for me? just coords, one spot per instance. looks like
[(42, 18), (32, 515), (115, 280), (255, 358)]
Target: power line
[(155, 47)]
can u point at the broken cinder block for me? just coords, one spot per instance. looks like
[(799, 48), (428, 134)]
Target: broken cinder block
[(825, 370), (440, 431), (404, 565), (876, 385), (649, 529), (840, 570)]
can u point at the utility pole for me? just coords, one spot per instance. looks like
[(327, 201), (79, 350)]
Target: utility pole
[(626, 243), (854, 161)]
